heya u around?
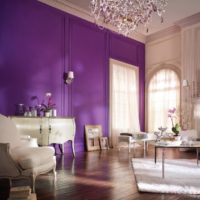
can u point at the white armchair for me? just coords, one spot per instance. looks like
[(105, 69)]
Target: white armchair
[(19, 159)]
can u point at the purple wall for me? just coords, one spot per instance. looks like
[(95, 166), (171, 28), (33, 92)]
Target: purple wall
[(38, 43)]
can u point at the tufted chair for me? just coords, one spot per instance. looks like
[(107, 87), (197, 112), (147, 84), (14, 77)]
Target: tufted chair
[(19, 159)]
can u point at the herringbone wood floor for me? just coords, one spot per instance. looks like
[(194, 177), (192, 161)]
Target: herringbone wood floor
[(99, 175)]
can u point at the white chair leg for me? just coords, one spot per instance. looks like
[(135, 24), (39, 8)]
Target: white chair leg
[(33, 182), (73, 149), (130, 142), (134, 149), (119, 146), (10, 182), (63, 148), (54, 174), (54, 178), (144, 146)]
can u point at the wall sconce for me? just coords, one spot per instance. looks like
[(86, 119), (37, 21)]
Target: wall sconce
[(186, 90), (194, 88), (68, 77), (185, 83)]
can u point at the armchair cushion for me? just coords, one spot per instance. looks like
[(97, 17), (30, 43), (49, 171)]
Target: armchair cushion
[(139, 135), (136, 135), (42, 168), (32, 157)]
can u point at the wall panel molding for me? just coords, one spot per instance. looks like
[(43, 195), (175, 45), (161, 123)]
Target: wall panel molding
[(77, 11)]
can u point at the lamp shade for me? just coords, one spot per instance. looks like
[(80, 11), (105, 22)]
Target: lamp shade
[(68, 77), (71, 74)]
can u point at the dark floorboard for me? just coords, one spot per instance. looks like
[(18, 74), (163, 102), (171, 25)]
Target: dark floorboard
[(98, 175)]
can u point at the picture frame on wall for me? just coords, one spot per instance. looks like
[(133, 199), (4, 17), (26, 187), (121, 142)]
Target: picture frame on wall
[(92, 136)]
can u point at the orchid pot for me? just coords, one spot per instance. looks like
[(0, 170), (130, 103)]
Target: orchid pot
[(47, 113), (176, 129)]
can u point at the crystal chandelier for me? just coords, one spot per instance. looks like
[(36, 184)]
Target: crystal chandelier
[(126, 15)]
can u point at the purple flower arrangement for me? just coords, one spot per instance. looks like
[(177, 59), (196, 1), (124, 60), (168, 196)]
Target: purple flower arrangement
[(46, 105), (50, 105), (175, 126)]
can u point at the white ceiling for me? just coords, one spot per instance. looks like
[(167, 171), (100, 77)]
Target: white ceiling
[(176, 10)]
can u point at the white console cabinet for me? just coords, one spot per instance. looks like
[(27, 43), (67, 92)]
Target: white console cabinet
[(47, 130)]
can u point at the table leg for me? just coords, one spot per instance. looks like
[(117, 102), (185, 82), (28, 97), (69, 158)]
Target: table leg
[(197, 150), (163, 162), (155, 155)]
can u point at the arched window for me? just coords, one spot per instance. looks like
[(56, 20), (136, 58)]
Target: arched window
[(163, 94)]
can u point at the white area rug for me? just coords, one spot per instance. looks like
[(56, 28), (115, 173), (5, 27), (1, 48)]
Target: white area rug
[(181, 176)]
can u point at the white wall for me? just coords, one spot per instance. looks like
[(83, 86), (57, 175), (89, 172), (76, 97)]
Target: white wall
[(191, 73), (162, 51), (168, 50)]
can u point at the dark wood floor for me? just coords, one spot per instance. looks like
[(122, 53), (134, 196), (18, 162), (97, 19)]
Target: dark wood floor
[(98, 176)]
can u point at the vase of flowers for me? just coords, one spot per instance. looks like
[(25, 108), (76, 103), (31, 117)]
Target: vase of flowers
[(48, 107), (175, 126)]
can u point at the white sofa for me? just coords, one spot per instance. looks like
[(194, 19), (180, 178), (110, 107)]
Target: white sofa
[(188, 135), (19, 159)]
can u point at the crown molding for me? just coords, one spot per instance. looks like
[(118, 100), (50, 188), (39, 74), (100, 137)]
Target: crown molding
[(163, 33), (188, 21), (67, 7), (176, 28), (70, 8)]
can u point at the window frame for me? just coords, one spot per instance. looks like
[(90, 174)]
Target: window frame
[(149, 76), (126, 65)]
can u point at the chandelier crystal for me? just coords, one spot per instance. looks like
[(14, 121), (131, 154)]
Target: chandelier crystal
[(126, 15)]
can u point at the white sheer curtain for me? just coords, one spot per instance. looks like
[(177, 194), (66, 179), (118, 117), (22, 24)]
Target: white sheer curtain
[(124, 116), (163, 94), (190, 38)]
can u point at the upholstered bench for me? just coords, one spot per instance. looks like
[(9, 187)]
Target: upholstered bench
[(131, 139)]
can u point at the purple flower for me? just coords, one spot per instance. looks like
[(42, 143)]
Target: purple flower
[(49, 105), (173, 110), (171, 115)]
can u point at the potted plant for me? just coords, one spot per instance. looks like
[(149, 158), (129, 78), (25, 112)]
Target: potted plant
[(48, 107), (175, 126)]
